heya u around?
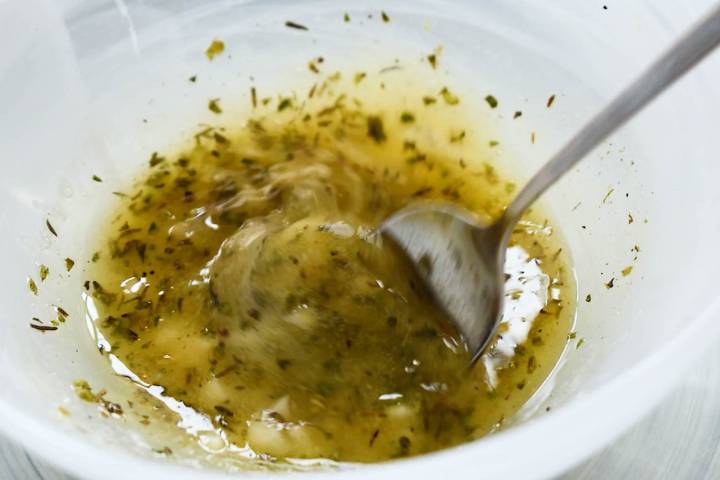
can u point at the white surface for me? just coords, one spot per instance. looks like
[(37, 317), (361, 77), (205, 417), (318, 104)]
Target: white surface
[(61, 124)]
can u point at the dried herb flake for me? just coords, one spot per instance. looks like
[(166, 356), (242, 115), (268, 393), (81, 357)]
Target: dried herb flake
[(492, 101), (407, 117), (43, 328), (44, 272), (155, 159), (284, 103), (458, 137), (32, 286), (375, 129), (50, 227), (84, 391), (449, 97), (214, 106), (216, 48), (296, 26)]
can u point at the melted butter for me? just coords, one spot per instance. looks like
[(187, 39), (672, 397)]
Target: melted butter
[(245, 287)]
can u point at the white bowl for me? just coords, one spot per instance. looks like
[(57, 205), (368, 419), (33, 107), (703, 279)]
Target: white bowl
[(94, 87)]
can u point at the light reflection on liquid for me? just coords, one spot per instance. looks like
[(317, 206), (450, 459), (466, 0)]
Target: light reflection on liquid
[(197, 425)]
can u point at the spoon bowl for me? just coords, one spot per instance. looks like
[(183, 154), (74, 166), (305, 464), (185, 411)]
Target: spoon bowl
[(461, 259)]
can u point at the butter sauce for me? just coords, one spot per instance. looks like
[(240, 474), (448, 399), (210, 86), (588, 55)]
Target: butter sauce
[(242, 279)]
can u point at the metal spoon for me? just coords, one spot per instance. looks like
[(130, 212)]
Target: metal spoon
[(461, 258)]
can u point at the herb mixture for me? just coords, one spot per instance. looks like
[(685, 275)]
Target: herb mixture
[(244, 276)]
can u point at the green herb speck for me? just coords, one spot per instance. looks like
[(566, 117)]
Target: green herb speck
[(458, 137), (221, 139), (62, 314), (284, 103), (42, 328), (216, 48), (283, 363), (531, 364), (404, 445), (449, 97), (214, 105), (492, 101), (32, 286), (325, 389), (84, 391), (50, 227), (375, 129), (407, 117), (296, 26), (155, 159)]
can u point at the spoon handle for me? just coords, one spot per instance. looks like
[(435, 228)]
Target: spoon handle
[(692, 47)]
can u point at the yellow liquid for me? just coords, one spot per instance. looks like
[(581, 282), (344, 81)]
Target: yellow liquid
[(244, 276)]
